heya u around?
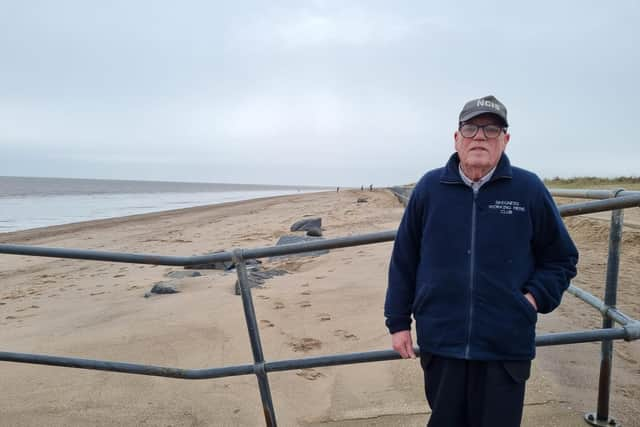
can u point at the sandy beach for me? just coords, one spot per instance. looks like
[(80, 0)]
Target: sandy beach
[(326, 304)]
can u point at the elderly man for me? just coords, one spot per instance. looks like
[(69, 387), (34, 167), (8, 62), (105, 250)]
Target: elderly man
[(481, 250)]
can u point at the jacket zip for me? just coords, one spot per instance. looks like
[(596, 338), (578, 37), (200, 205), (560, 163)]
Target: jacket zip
[(472, 263), (472, 254)]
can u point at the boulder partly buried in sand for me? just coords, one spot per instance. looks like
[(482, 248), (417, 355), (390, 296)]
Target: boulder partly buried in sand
[(257, 277), (314, 232), (307, 224), (221, 265), (288, 240), (181, 274), (165, 287)]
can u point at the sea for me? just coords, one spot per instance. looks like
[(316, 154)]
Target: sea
[(29, 202)]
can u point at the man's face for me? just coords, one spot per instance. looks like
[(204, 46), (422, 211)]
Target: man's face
[(479, 151)]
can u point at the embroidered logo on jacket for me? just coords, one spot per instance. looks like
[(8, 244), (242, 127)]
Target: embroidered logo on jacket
[(507, 207)]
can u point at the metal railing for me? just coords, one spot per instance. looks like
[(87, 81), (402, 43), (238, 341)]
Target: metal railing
[(629, 328), (607, 307)]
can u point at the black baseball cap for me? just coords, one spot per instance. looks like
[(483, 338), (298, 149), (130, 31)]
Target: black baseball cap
[(486, 105)]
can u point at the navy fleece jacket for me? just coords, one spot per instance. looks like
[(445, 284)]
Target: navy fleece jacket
[(462, 263)]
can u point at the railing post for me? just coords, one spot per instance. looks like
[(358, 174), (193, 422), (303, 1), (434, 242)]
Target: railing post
[(254, 337), (601, 417)]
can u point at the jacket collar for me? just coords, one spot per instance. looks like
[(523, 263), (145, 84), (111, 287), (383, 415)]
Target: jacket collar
[(451, 175)]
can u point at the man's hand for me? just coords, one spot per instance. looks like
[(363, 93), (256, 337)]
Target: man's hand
[(403, 344), (532, 300)]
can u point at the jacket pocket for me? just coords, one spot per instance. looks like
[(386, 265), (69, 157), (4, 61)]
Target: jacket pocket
[(527, 307)]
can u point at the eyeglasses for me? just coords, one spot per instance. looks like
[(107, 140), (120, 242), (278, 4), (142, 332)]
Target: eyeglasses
[(490, 131)]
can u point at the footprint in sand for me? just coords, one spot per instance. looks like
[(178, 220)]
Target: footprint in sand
[(26, 308), (320, 277), (305, 285), (264, 297), (305, 293), (15, 295), (20, 318), (278, 305), (309, 374), (304, 304), (305, 344), (266, 324), (118, 275), (324, 317), (345, 335)]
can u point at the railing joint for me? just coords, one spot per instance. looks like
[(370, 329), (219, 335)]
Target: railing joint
[(632, 331), (259, 369), (237, 255)]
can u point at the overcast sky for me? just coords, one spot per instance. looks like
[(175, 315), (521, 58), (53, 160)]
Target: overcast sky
[(311, 92)]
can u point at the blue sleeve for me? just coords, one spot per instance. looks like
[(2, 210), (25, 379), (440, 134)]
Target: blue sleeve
[(403, 266), (555, 255)]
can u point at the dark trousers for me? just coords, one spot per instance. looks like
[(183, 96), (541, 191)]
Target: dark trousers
[(471, 393)]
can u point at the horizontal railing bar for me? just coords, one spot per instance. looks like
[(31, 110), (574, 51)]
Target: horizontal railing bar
[(599, 205), (92, 255), (562, 338), (124, 367), (315, 245), (575, 193), (591, 194), (626, 333), (611, 312), (334, 360), (340, 242), (269, 251)]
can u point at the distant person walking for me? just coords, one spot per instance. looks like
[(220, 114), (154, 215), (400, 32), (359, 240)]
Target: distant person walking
[(480, 251)]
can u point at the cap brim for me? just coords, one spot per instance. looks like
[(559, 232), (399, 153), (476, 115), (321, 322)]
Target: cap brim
[(470, 115)]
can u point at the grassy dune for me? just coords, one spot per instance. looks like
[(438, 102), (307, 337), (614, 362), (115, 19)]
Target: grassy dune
[(594, 182)]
